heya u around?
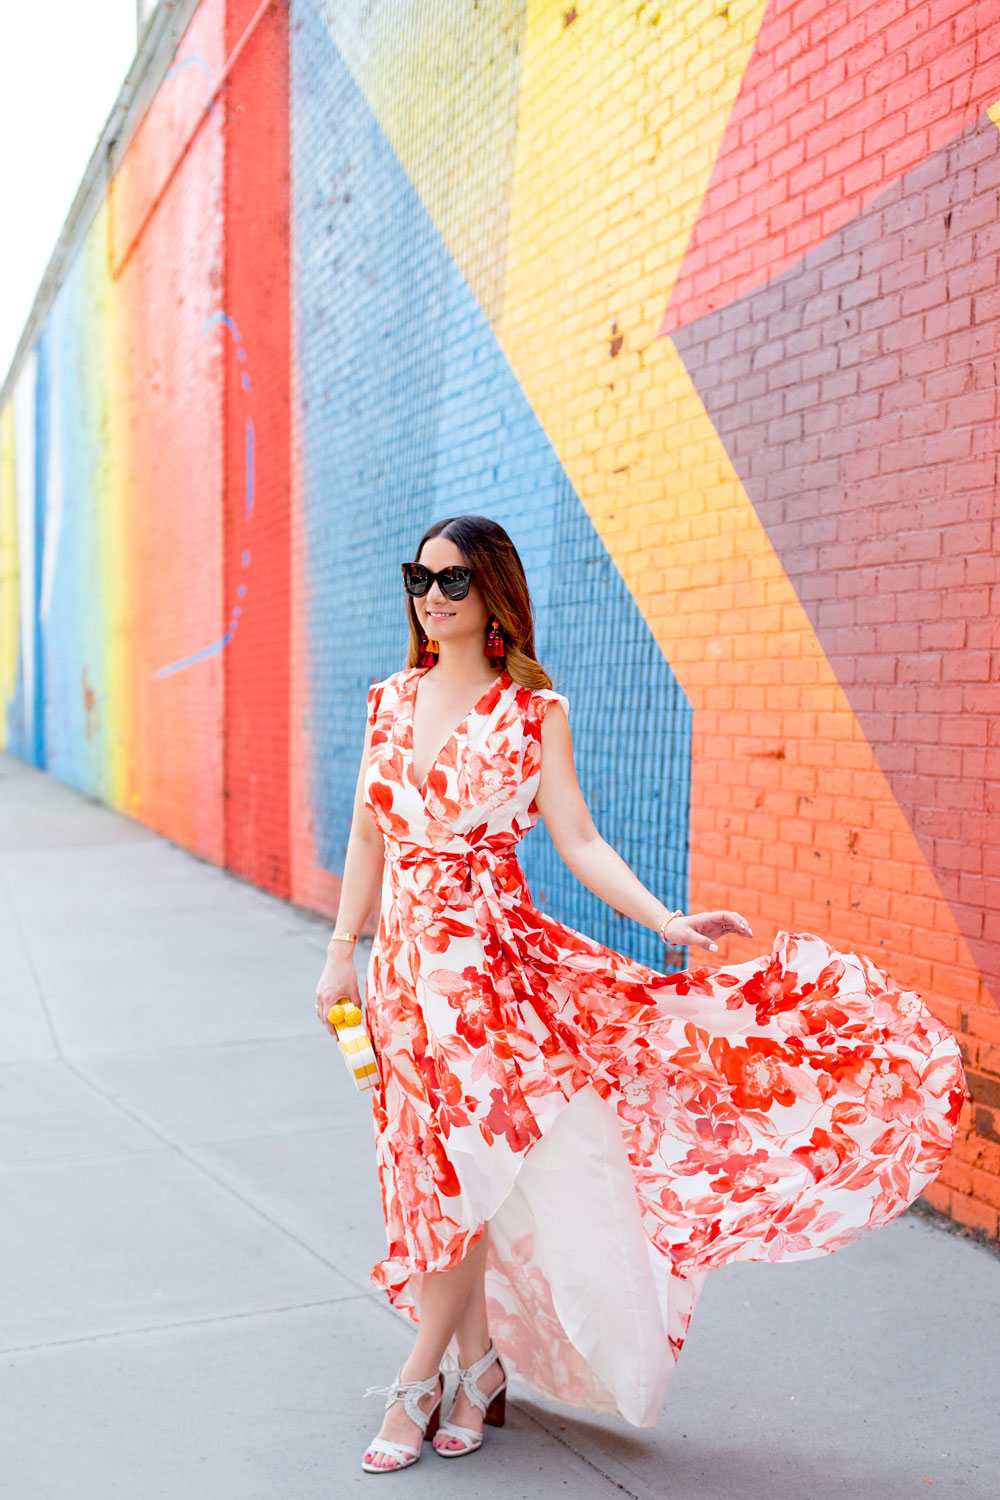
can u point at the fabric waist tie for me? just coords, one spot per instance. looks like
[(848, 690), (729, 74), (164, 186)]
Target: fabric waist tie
[(471, 868)]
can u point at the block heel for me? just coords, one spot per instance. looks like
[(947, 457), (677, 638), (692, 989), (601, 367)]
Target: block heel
[(493, 1408), (496, 1412)]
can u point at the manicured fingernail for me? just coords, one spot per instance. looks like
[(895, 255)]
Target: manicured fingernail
[(715, 947)]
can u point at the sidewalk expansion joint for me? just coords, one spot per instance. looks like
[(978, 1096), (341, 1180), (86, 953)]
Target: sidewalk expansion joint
[(633, 1494), (210, 1170), (144, 1328)]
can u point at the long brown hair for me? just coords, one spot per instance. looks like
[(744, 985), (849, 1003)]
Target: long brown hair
[(499, 577)]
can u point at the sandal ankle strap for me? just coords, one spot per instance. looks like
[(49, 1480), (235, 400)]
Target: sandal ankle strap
[(410, 1392), (468, 1377)]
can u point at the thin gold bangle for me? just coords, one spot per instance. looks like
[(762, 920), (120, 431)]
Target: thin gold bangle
[(667, 920), (343, 937)]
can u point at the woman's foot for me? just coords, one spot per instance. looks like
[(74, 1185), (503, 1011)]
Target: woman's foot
[(398, 1428), (464, 1414)]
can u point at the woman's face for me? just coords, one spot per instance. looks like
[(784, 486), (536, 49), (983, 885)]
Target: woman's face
[(440, 616)]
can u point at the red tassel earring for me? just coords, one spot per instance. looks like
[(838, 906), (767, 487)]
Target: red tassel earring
[(428, 652), (495, 648)]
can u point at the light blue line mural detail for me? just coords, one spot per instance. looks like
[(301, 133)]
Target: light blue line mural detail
[(214, 647)]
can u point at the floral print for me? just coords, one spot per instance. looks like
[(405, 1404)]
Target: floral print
[(599, 1114)]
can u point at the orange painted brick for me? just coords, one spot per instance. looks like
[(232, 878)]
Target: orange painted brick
[(733, 875), (831, 836), (920, 911), (877, 845), (762, 825), (897, 936), (924, 883), (747, 851), (870, 785), (813, 917), (984, 1023), (937, 1195), (975, 1215), (959, 985), (968, 1148), (985, 1187), (942, 947), (961, 1177), (795, 831), (871, 900), (853, 930), (969, 1048), (838, 727), (987, 1058), (854, 811), (772, 910), (795, 886), (891, 874), (985, 1153), (885, 815), (857, 756), (815, 862), (911, 973)]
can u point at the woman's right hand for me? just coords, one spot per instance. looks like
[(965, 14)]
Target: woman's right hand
[(339, 980)]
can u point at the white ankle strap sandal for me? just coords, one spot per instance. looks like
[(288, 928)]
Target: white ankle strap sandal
[(493, 1407), (410, 1393)]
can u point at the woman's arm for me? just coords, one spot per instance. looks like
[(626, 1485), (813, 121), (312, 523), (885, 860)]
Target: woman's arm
[(364, 860), (593, 861), (362, 880)]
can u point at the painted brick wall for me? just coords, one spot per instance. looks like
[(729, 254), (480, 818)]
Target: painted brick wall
[(700, 302)]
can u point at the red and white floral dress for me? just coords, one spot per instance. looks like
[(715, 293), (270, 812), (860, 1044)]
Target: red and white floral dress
[(621, 1131)]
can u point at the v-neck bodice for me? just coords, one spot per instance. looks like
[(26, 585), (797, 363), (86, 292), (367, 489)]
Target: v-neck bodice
[(482, 706), (483, 778)]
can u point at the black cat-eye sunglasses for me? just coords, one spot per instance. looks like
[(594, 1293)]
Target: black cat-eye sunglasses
[(453, 582)]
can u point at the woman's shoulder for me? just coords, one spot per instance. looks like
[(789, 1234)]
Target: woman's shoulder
[(394, 679), (386, 690), (537, 701)]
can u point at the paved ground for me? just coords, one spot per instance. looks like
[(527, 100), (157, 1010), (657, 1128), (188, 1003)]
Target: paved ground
[(190, 1214)]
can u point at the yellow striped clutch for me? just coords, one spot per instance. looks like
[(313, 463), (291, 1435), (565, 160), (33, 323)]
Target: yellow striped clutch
[(355, 1043)]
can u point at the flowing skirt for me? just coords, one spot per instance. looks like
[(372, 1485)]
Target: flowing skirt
[(620, 1132)]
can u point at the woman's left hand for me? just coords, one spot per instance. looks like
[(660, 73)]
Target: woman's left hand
[(702, 928)]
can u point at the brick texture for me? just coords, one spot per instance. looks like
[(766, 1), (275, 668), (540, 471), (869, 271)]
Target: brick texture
[(836, 102), (856, 397)]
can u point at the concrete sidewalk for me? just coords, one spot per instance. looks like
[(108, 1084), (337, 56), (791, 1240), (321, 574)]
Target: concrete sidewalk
[(190, 1214)]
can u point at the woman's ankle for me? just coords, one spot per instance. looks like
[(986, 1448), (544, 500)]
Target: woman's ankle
[(468, 1354), (417, 1369)]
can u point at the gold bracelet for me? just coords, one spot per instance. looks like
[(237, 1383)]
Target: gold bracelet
[(666, 922), (343, 937)]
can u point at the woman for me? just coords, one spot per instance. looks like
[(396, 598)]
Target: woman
[(567, 1140)]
